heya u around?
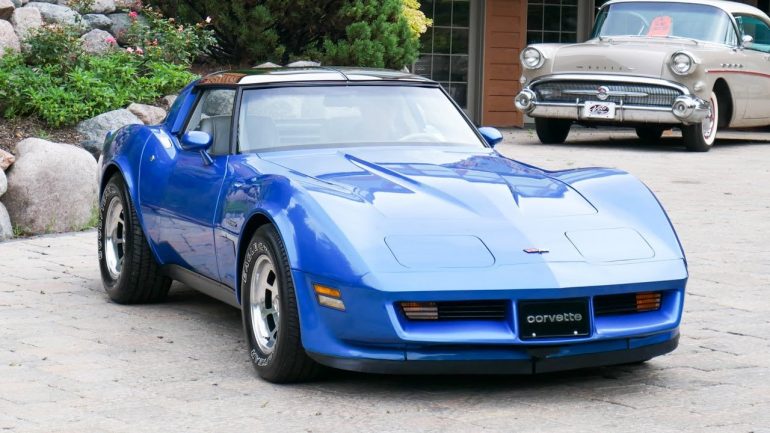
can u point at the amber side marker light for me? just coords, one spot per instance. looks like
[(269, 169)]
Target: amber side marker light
[(420, 310), (648, 301), (329, 297)]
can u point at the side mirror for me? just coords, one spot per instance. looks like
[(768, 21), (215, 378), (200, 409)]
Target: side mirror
[(491, 135), (195, 141), (747, 40)]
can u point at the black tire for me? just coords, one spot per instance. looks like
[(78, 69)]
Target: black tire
[(649, 133), (694, 136), (138, 279), (552, 131), (286, 361)]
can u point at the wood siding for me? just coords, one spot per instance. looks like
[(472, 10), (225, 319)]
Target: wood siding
[(505, 29)]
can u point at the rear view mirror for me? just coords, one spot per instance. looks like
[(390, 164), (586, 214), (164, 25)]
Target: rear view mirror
[(491, 135)]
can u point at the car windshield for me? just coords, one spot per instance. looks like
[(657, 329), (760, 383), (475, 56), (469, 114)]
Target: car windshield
[(350, 115), (658, 19)]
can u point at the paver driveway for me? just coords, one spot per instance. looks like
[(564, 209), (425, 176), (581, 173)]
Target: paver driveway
[(72, 361)]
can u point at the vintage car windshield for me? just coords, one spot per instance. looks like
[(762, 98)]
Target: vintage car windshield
[(346, 115), (659, 19)]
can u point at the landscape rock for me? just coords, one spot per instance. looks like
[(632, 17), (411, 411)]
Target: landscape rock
[(148, 114), (219, 102), (133, 5), (55, 14), (6, 229), (102, 7), (6, 159), (167, 101), (3, 183), (120, 24), (96, 128), (93, 147), (97, 21), (17, 3), (8, 39), (26, 20), (96, 42), (6, 9), (51, 187)]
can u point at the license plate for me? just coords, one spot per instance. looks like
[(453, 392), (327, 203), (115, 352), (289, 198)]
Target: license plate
[(598, 110), (553, 318)]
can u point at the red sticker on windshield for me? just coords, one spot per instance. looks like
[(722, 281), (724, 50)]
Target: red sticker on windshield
[(660, 26)]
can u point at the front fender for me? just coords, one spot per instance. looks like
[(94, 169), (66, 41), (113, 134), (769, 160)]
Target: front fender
[(629, 200)]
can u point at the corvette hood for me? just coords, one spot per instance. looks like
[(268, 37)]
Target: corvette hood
[(442, 207)]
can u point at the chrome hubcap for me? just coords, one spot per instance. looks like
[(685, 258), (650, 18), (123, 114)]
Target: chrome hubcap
[(265, 304), (114, 237), (709, 123)]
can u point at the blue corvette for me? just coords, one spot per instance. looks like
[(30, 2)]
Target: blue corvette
[(360, 221)]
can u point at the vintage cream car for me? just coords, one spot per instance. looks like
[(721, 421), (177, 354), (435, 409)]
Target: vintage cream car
[(653, 65)]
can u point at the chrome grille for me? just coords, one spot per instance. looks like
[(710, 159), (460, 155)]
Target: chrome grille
[(628, 93)]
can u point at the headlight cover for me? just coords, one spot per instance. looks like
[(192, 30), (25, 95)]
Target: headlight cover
[(532, 58), (682, 63)]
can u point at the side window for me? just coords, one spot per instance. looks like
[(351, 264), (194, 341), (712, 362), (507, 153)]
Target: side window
[(758, 29), (213, 114)]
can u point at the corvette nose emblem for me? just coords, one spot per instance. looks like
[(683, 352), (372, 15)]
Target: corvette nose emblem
[(603, 92), (534, 251)]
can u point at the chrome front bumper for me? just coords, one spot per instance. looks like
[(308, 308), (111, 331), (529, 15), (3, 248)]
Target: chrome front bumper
[(686, 109)]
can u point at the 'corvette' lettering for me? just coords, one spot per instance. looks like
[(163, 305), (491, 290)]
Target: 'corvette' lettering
[(554, 318)]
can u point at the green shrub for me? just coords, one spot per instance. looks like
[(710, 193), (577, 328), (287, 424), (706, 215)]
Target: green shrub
[(55, 81), (379, 33)]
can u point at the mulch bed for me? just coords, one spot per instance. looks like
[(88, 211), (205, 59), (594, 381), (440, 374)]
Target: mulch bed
[(15, 130)]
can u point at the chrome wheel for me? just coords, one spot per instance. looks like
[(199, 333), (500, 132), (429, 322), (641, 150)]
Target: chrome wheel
[(114, 237), (265, 304)]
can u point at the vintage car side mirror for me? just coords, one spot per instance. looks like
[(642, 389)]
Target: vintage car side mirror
[(491, 135), (196, 140), (747, 40)]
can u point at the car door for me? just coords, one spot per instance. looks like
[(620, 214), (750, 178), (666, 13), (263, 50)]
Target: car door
[(181, 188), (756, 65)]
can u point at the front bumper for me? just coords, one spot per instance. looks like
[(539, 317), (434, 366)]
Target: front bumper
[(372, 334), (685, 109), (541, 360)]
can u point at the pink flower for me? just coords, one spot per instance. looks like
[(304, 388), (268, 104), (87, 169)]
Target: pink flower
[(155, 42), (133, 15), (111, 40), (180, 29), (129, 50), (139, 51)]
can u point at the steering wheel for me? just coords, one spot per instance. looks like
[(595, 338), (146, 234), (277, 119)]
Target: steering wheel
[(420, 136)]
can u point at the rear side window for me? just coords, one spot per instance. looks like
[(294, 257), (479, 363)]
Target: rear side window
[(213, 114)]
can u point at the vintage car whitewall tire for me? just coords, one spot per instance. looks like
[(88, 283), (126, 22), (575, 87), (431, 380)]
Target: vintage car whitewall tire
[(129, 271), (552, 131), (269, 309), (700, 137)]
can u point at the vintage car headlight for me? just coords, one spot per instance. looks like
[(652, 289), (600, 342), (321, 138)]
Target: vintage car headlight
[(682, 63), (532, 58)]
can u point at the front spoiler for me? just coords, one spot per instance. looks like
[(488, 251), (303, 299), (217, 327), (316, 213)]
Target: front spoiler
[(539, 362)]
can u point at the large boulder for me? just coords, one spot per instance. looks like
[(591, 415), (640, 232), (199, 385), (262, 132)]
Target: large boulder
[(97, 21), (55, 14), (8, 40), (96, 129), (6, 229), (3, 183), (167, 101), (97, 42), (26, 20), (134, 5), (120, 24), (148, 114), (6, 9), (51, 187), (6, 159)]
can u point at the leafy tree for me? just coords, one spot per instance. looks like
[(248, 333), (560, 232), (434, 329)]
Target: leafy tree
[(377, 33)]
